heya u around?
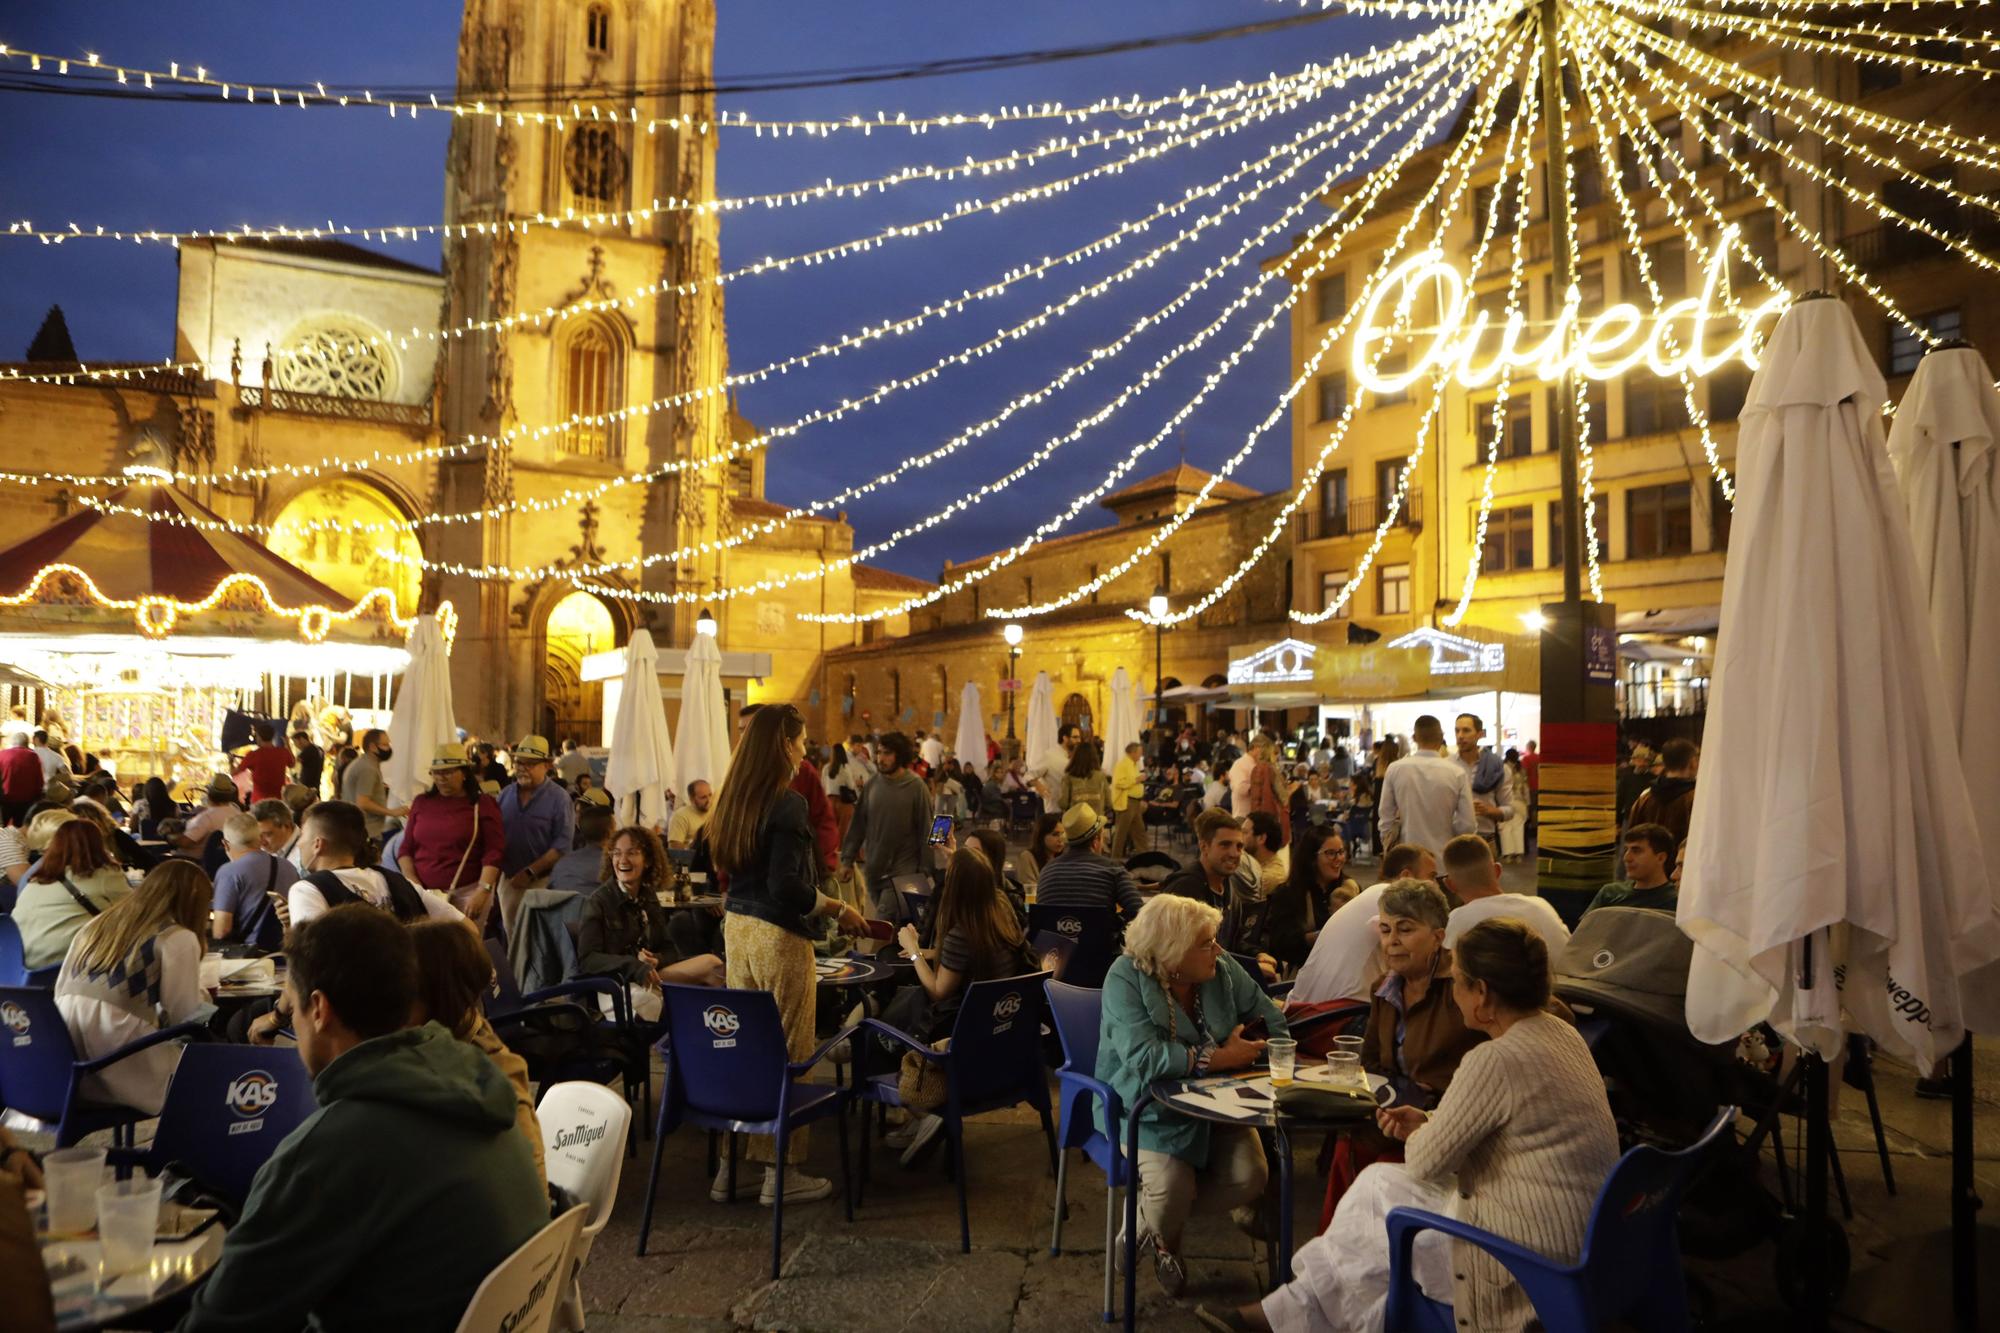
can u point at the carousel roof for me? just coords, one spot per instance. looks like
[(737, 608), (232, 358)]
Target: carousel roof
[(137, 557)]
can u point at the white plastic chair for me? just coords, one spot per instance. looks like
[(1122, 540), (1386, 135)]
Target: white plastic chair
[(520, 1295), (583, 1147)]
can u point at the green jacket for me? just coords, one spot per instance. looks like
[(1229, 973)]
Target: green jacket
[(389, 1206), (1133, 1048)]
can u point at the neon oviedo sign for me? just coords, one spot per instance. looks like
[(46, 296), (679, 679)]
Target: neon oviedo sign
[(1607, 346)]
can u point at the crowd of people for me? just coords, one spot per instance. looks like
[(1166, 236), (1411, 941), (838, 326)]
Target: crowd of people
[(379, 904)]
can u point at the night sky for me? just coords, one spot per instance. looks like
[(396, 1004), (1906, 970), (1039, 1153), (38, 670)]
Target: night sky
[(220, 164)]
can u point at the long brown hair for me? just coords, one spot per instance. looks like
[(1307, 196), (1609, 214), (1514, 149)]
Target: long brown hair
[(654, 877), (971, 902), (77, 848), (453, 971), (758, 774), (174, 893)]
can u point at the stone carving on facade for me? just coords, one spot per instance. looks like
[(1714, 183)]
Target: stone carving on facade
[(595, 286), (588, 551), (197, 434), (497, 485)]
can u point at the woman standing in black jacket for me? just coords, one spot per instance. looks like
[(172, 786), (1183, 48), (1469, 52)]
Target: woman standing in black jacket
[(762, 840)]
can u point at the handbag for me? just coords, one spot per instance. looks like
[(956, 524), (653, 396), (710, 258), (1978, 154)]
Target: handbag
[(466, 854), (920, 1083)]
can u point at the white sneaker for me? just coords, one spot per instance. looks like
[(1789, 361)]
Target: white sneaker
[(926, 1129), (799, 1187), (900, 1136), (718, 1192)]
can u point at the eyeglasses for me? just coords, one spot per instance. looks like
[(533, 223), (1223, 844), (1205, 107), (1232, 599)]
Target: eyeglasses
[(1212, 944)]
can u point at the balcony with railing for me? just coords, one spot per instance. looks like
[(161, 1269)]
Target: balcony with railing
[(1359, 518), (298, 403), (1890, 247)]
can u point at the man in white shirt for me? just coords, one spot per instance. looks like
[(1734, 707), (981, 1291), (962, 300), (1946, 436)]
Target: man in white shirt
[(932, 750), (1426, 796), (1471, 873), (334, 833), (1344, 963), (1241, 771), (1267, 850), (55, 765), (1047, 774)]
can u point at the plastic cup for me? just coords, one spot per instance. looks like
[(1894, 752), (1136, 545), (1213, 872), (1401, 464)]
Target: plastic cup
[(1284, 1054), (1351, 1045), (1343, 1070), (72, 1176), (128, 1213)]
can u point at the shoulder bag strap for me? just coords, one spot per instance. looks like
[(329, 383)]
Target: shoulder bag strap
[(81, 900), (467, 853)]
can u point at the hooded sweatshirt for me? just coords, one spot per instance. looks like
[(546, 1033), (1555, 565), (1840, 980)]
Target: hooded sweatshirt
[(893, 821), (1669, 802), (390, 1205)]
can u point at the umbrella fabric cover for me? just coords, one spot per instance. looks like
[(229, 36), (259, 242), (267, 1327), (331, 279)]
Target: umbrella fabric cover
[(1123, 726), (1831, 804), (704, 748), (1944, 442), (970, 743), (640, 775), (423, 718), (1041, 737)]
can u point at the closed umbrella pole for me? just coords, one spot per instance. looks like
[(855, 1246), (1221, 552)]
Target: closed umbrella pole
[(422, 719), (704, 750), (1041, 736), (970, 742), (640, 775), (1122, 727)]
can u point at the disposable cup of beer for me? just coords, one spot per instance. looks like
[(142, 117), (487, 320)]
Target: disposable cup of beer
[(128, 1212), (1352, 1045), (72, 1176), (1284, 1054)]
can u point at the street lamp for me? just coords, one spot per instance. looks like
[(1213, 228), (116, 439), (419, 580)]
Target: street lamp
[(1012, 633), (1156, 606), (705, 624)]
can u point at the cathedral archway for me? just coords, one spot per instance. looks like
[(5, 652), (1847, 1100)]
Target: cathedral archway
[(307, 532), (579, 624)]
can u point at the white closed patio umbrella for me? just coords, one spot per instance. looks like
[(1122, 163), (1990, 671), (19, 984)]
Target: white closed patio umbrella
[(422, 717), (1041, 734), (1123, 726), (970, 742), (1833, 876), (640, 774), (1944, 442), (704, 749)]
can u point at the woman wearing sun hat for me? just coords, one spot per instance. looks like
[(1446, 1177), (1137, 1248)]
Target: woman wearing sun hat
[(453, 842)]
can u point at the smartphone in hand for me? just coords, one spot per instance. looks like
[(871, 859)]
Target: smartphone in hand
[(940, 829)]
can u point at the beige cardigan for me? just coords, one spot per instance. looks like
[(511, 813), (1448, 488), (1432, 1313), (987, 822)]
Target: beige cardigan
[(1526, 1128)]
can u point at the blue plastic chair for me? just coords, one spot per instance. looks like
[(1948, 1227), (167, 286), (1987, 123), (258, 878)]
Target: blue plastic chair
[(1095, 933), (14, 967), (601, 1051), (227, 1110), (1631, 1265), (994, 1062), (728, 1068), (1076, 1012), (41, 1077)]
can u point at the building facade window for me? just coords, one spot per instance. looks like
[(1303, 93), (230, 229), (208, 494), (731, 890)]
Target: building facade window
[(1654, 405), (1720, 511), (1516, 427), (1333, 503), (1331, 581), (1906, 348), (1728, 388), (1167, 570), (337, 358), (597, 31), (1392, 590), (1600, 520), (1331, 391), (1659, 521), (1510, 539), (1330, 297), (595, 164), (593, 370)]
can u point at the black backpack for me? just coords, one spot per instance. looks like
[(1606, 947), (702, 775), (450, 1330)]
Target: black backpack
[(404, 901)]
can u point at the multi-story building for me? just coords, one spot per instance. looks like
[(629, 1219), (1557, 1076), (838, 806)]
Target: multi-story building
[(1661, 516)]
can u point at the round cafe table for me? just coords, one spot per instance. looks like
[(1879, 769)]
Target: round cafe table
[(842, 972), (84, 1303), (1191, 1097)]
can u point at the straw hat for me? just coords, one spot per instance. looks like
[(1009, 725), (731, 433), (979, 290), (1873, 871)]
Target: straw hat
[(490, 787), (1081, 822), (595, 796), (448, 757), (532, 748)]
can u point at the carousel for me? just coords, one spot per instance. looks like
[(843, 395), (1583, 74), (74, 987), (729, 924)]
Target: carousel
[(147, 625)]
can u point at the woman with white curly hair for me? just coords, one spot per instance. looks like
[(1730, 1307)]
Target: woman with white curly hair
[(1176, 1006)]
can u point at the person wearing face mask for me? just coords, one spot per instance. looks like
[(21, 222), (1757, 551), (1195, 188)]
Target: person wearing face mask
[(624, 928), (540, 821), (364, 787)]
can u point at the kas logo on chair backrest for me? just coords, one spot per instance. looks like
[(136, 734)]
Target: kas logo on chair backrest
[(723, 1023), (1004, 1010), (16, 1020), (250, 1096), (1069, 926)]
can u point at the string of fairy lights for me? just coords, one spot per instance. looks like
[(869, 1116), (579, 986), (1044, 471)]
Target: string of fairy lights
[(1705, 67)]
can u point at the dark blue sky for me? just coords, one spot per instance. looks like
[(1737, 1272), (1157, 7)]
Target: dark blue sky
[(176, 166)]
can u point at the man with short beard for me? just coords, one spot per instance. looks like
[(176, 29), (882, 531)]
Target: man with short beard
[(892, 821)]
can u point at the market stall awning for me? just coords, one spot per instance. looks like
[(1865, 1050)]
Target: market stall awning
[(1671, 620), (151, 554)]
